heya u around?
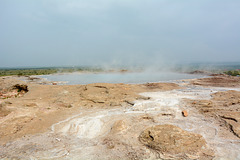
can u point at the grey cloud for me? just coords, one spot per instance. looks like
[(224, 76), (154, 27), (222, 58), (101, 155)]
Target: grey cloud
[(77, 32)]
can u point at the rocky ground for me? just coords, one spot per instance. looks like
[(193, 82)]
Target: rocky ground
[(190, 119)]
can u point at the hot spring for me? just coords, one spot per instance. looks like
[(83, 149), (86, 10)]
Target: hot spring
[(118, 77)]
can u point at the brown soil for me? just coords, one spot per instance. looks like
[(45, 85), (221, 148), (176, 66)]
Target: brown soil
[(44, 105), (218, 81), (96, 121)]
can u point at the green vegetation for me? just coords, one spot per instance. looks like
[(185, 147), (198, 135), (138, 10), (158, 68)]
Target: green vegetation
[(233, 72), (43, 71), (25, 72)]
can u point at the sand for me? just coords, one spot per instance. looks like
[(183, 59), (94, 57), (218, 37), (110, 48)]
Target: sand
[(105, 121)]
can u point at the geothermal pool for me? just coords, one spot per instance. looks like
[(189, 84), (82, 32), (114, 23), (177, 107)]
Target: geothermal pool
[(118, 77)]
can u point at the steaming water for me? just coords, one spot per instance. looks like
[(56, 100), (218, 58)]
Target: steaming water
[(117, 77)]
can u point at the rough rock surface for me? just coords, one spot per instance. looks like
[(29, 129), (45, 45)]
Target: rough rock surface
[(175, 143), (224, 106), (104, 121), (44, 105)]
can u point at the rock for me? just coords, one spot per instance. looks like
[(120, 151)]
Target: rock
[(21, 87), (224, 106), (31, 105), (172, 142), (184, 113), (233, 122), (65, 105), (118, 127)]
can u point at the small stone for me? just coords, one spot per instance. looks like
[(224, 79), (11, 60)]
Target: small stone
[(184, 113)]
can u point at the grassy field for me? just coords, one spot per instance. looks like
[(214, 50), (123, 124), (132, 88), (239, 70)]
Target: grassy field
[(233, 72), (42, 71)]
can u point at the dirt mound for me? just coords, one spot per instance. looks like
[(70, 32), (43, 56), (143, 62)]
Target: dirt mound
[(103, 94), (218, 81), (174, 143), (11, 87), (161, 86)]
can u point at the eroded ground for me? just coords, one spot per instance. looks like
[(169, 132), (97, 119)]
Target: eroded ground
[(121, 121)]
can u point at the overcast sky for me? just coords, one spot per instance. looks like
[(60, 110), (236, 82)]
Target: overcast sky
[(120, 32)]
